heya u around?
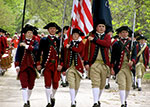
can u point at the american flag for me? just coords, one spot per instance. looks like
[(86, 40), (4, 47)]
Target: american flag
[(82, 16)]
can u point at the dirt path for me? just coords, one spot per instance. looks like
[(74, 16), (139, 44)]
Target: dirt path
[(10, 94)]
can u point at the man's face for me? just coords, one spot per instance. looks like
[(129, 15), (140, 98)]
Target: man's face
[(3, 34), (101, 28), (29, 34), (142, 41), (75, 36), (124, 33), (65, 31), (52, 30)]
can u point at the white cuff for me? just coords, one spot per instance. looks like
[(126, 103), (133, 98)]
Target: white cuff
[(27, 46)]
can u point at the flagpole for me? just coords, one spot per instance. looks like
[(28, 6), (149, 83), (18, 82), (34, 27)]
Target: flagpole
[(62, 25), (24, 8)]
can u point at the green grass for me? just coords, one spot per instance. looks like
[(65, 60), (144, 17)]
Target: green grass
[(147, 76)]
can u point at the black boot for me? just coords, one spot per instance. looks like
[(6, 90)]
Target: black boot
[(99, 103), (48, 105), (107, 86), (64, 84), (25, 105), (28, 102), (123, 105), (52, 102)]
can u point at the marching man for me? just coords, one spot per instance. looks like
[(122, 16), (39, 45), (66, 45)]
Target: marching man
[(74, 62), (49, 49), (25, 62), (120, 60), (142, 60), (97, 58)]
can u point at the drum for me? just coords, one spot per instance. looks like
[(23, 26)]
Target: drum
[(5, 61)]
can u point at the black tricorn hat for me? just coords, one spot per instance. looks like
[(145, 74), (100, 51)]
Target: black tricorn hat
[(28, 27), (100, 21), (118, 30), (51, 24), (76, 30), (126, 28), (142, 37), (2, 30)]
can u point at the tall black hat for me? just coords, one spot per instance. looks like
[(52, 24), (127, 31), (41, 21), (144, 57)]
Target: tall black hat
[(101, 21)]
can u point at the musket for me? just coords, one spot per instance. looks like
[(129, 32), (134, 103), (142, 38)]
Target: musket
[(133, 70), (133, 31), (60, 47)]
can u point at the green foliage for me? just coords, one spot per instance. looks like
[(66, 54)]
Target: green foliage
[(6, 17)]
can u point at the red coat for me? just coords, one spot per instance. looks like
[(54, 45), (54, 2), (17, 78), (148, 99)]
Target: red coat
[(104, 43), (2, 45), (76, 54), (49, 48), (26, 58), (145, 55)]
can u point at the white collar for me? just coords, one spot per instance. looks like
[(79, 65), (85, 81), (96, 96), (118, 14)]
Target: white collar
[(52, 35), (28, 39), (100, 33), (124, 38), (79, 40)]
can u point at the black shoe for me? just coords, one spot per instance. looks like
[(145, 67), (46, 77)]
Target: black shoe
[(134, 86), (48, 105), (96, 105), (123, 105), (3, 72), (52, 102), (107, 86), (28, 102), (64, 84), (25, 105), (139, 89)]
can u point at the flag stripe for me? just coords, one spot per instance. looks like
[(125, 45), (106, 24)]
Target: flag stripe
[(82, 16)]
